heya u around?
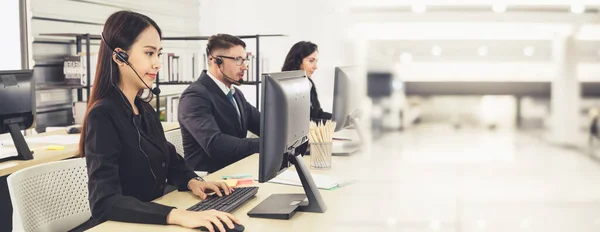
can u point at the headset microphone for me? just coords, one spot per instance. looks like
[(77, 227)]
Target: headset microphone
[(123, 57)]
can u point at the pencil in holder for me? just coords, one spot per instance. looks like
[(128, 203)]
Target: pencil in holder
[(320, 155)]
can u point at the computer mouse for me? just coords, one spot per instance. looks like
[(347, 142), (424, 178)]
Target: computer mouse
[(236, 228), (73, 130)]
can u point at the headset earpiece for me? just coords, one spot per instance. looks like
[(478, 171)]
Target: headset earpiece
[(122, 56), (219, 60)]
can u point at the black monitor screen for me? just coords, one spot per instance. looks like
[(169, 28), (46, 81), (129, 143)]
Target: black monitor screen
[(284, 120), (17, 94), (379, 84)]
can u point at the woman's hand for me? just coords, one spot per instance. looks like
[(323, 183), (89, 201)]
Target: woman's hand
[(200, 188), (193, 219)]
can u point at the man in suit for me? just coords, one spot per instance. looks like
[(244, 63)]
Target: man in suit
[(214, 116)]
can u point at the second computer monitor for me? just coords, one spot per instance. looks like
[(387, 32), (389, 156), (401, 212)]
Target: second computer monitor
[(284, 120), (341, 97)]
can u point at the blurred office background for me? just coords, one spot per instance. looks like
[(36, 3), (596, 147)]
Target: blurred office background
[(500, 65), (485, 109)]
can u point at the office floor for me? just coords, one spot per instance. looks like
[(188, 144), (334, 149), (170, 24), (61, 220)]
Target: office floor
[(441, 179)]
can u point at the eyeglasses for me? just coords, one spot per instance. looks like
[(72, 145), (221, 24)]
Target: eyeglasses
[(238, 60)]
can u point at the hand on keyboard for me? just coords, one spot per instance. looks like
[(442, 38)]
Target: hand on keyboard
[(226, 203), (201, 188), (210, 219)]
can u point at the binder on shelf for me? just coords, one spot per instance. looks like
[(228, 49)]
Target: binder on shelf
[(175, 70), (75, 68), (171, 108), (72, 69)]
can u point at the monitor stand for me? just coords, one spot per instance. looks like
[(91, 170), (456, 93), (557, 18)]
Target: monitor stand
[(353, 119), (352, 146), (284, 206), (23, 151)]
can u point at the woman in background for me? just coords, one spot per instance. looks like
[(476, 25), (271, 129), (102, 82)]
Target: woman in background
[(304, 55)]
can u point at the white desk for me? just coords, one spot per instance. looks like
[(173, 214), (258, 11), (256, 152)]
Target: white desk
[(360, 206)]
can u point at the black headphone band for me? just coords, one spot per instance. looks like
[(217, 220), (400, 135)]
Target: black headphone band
[(121, 55)]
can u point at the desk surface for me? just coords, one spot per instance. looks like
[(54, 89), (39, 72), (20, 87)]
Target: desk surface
[(41, 155), (347, 206)]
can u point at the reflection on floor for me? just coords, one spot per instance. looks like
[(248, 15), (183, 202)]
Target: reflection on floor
[(481, 180)]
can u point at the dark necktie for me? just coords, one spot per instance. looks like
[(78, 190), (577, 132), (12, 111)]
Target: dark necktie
[(230, 97)]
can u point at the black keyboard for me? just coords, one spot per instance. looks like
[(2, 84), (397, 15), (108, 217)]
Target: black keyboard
[(226, 203)]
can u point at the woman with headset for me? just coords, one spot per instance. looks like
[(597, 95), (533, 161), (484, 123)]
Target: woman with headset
[(304, 55), (128, 158)]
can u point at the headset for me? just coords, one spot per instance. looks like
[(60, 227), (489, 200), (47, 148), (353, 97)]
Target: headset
[(219, 62), (123, 57)]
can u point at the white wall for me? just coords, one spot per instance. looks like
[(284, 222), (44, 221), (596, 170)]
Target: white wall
[(11, 38), (322, 22)]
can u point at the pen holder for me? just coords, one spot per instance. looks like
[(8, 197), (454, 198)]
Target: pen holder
[(320, 155)]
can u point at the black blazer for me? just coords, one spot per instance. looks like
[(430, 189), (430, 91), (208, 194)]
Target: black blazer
[(127, 169), (212, 135), (316, 112)]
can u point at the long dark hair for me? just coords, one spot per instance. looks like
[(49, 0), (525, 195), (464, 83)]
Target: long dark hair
[(293, 61), (121, 30), (297, 53)]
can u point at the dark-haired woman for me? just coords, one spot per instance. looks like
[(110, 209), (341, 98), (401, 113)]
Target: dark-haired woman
[(128, 158), (304, 55)]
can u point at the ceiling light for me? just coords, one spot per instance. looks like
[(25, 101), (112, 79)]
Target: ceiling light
[(482, 50), (418, 8), (529, 51), (436, 50), (499, 8), (406, 58), (577, 8)]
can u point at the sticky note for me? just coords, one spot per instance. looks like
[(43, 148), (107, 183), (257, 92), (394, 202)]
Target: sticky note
[(245, 181), (231, 182), (54, 147)]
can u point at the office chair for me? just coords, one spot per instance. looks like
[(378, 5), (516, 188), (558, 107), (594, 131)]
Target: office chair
[(175, 138), (50, 197)]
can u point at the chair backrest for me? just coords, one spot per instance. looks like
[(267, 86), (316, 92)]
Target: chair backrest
[(174, 137), (50, 197)]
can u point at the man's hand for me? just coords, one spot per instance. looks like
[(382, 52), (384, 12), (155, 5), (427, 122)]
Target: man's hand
[(200, 188)]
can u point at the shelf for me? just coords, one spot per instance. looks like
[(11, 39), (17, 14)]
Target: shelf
[(175, 83), (86, 38), (71, 35), (59, 86), (207, 37), (164, 38)]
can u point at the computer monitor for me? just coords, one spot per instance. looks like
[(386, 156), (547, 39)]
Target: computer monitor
[(17, 110), (341, 98), (284, 128), (346, 110)]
